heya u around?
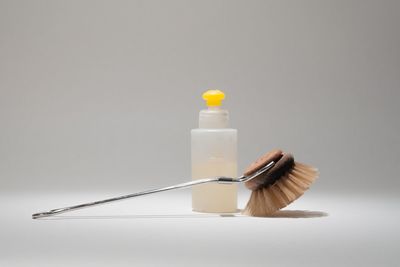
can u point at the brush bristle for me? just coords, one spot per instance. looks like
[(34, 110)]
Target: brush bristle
[(289, 187)]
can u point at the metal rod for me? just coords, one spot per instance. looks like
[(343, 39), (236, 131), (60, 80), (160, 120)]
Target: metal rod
[(221, 180), (104, 201)]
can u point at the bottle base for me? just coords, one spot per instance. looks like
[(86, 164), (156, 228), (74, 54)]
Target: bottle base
[(217, 211)]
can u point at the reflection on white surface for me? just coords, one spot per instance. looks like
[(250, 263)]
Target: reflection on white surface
[(280, 214)]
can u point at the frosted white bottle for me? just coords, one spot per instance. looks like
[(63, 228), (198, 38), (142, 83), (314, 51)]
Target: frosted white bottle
[(214, 153)]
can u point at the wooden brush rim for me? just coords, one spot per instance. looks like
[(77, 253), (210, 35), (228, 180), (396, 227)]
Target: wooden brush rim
[(273, 155)]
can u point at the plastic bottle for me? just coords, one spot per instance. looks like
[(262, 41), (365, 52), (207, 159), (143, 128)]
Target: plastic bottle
[(214, 153)]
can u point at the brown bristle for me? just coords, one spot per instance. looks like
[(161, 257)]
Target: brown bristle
[(282, 165), (288, 186)]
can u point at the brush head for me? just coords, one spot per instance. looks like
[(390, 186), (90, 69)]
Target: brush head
[(276, 188)]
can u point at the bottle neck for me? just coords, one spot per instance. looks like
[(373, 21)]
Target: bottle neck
[(213, 118)]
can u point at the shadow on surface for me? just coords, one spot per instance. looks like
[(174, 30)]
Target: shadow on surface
[(298, 214), (141, 216), (278, 214)]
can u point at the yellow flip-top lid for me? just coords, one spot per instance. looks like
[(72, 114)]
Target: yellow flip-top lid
[(213, 98)]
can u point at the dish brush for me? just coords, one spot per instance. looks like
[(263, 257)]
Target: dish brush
[(275, 179)]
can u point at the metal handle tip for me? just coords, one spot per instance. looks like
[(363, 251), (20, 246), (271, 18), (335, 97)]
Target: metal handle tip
[(35, 216), (43, 214)]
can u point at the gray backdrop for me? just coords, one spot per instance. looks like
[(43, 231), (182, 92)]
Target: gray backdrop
[(101, 95), (97, 99)]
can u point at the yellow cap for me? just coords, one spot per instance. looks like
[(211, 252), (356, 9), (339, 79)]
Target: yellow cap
[(213, 98)]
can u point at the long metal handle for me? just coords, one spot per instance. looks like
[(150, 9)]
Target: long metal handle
[(221, 180), (147, 192)]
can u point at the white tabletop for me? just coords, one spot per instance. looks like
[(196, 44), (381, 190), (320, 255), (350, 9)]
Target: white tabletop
[(316, 230)]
